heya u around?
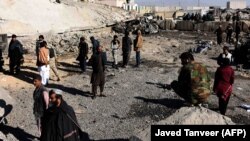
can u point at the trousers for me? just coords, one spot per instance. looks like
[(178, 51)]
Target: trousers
[(44, 73)]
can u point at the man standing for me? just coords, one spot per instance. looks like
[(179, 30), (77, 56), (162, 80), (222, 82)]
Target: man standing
[(237, 31), (229, 33), (83, 53), (53, 62), (225, 54), (115, 45), (15, 55), (126, 49), (193, 83), (43, 62), (1, 60), (60, 122), (95, 44), (98, 75), (137, 47), (219, 33), (41, 101), (223, 84), (38, 42)]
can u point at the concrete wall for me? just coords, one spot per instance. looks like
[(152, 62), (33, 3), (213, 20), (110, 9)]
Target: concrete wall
[(185, 25)]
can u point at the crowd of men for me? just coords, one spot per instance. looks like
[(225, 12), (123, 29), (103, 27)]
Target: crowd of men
[(56, 120)]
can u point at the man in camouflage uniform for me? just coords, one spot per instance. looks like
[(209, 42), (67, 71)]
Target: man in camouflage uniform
[(193, 82)]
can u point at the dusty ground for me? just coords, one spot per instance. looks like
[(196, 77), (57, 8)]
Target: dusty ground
[(133, 100)]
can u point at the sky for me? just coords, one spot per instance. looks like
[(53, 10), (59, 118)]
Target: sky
[(185, 2)]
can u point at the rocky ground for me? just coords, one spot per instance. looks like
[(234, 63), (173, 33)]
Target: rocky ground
[(134, 99)]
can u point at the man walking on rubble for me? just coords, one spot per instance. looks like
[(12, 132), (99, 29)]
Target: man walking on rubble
[(43, 62), (53, 62), (15, 54), (237, 31), (229, 32), (83, 54), (126, 48), (219, 33), (193, 83)]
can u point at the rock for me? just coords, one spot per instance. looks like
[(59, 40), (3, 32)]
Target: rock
[(175, 44), (3, 137), (1, 111), (189, 116), (161, 70), (111, 74), (11, 137)]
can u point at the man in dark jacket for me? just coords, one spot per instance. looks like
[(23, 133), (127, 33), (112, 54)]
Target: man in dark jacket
[(15, 55), (98, 76), (95, 44), (1, 60), (126, 48), (237, 31), (219, 33), (229, 32), (83, 53)]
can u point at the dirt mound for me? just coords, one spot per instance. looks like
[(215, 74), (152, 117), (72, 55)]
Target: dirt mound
[(43, 16), (189, 116)]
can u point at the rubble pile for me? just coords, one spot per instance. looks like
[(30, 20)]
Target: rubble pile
[(188, 116), (25, 17)]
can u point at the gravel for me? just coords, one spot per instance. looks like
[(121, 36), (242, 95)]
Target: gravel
[(134, 97)]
